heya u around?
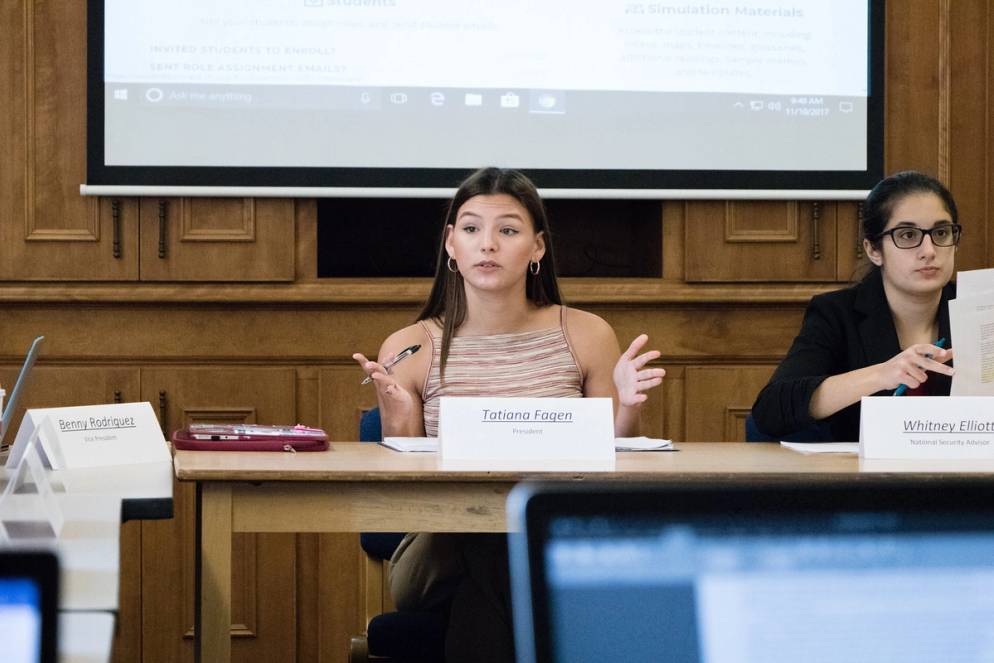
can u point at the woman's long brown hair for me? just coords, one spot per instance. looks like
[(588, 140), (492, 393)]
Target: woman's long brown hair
[(446, 304)]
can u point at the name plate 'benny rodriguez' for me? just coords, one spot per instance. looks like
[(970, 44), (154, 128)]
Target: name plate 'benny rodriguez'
[(93, 436), (927, 427), (526, 433)]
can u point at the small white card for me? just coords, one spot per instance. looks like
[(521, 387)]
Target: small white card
[(94, 436), (927, 427), (527, 433)]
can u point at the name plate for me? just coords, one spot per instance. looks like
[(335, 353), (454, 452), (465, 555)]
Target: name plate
[(927, 427), (527, 433), (93, 436)]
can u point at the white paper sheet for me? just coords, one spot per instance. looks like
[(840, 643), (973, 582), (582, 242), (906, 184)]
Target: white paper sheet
[(974, 282), (971, 324), (411, 443), (422, 444), (642, 444), (823, 447)]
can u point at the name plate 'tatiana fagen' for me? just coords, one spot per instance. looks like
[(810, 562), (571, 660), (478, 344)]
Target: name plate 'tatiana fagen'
[(927, 427), (527, 433)]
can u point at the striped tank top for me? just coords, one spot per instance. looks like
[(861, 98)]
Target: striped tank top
[(537, 363)]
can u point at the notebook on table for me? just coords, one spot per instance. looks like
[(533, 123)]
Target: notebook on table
[(29, 595), (867, 571), (10, 405)]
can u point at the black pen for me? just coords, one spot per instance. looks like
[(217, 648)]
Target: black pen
[(401, 356)]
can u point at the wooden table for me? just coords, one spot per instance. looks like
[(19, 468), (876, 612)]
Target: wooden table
[(365, 487)]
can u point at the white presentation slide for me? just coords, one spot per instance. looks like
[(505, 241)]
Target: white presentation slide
[(456, 84), (816, 48)]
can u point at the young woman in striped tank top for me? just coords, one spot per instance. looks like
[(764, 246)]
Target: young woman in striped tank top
[(494, 325)]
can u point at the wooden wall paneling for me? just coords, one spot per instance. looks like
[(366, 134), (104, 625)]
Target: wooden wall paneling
[(343, 399), (264, 565), (674, 425), (47, 230), (718, 399), (673, 213), (987, 211), (968, 42), (912, 107), (127, 646), (185, 332), (306, 261), (217, 239), (759, 241), (652, 418), (696, 334), (851, 258)]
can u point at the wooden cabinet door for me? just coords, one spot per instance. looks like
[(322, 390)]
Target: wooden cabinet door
[(760, 241), (217, 239), (264, 577), (47, 230), (719, 398)]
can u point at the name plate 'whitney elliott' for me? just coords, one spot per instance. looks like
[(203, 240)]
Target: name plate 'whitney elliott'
[(538, 433), (927, 427)]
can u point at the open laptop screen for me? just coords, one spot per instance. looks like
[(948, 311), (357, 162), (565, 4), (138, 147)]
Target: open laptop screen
[(874, 573), (28, 598), (10, 407)]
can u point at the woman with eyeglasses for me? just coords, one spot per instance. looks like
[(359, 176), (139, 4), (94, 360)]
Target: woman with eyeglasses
[(890, 329)]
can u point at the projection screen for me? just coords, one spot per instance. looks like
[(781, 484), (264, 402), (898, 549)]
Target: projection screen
[(612, 98)]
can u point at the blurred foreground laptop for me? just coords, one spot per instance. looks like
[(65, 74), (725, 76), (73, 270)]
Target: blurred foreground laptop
[(29, 594), (869, 571), (10, 405)]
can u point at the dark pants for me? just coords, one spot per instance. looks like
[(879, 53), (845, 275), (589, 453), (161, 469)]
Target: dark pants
[(471, 571)]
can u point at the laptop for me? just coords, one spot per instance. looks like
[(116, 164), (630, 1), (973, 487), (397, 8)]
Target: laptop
[(10, 407), (29, 594), (869, 570)]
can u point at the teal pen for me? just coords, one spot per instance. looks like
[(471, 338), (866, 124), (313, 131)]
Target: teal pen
[(903, 388)]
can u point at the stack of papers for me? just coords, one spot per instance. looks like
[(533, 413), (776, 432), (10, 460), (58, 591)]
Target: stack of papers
[(413, 444)]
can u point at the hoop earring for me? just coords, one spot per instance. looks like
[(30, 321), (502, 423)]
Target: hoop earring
[(448, 263), (534, 266)]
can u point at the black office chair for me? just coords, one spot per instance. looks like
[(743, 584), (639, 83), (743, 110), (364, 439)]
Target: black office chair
[(394, 637), (817, 432)]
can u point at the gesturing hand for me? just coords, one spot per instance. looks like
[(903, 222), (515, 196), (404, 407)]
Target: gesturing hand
[(392, 394), (910, 366), (631, 379)]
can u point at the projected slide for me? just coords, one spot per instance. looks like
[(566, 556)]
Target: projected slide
[(557, 84)]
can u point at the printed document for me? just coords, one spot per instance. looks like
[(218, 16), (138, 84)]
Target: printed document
[(971, 323)]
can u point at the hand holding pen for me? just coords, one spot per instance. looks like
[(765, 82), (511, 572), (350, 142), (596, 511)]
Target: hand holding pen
[(386, 366), (909, 367)]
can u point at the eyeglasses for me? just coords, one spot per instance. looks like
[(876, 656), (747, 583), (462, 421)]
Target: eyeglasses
[(911, 237)]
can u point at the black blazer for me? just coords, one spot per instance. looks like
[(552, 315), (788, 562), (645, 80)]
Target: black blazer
[(842, 331)]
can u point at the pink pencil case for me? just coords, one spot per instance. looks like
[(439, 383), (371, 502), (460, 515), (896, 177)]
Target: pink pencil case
[(249, 437)]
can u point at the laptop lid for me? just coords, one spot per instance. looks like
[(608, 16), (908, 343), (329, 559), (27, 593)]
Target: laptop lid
[(29, 594), (20, 386), (874, 570)]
